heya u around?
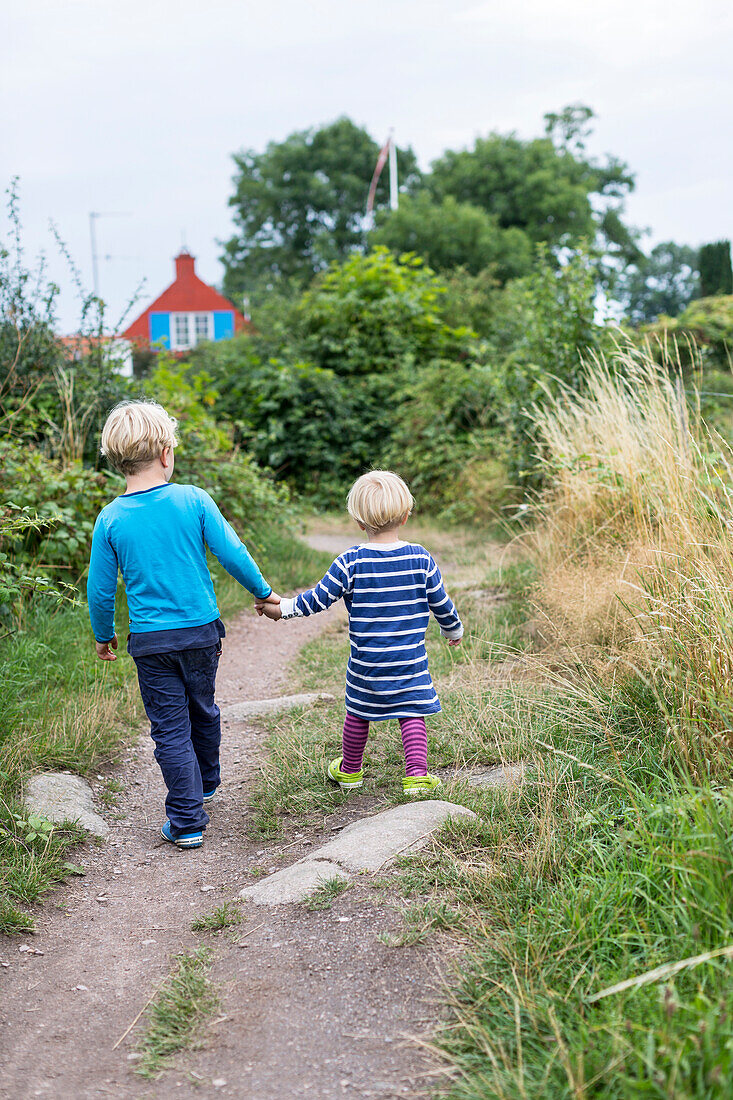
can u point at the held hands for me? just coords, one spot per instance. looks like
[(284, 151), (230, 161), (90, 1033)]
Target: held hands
[(103, 649), (269, 607)]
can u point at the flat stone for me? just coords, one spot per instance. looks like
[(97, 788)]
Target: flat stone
[(60, 797), (502, 775), (251, 709), (374, 842), (293, 883)]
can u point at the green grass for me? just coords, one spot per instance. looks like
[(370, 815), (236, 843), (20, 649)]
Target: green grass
[(224, 916), (596, 869), (177, 1014), (324, 895), (60, 709)]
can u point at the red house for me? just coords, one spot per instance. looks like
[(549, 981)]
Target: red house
[(185, 314)]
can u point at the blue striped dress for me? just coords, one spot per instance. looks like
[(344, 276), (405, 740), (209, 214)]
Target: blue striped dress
[(389, 590)]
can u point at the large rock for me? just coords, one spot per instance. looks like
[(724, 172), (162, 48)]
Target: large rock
[(238, 712), (374, 842), (367, 845), (293, 883), (60, 797)]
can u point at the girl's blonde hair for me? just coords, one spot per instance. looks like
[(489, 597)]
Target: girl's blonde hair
[(379, 500), (135, 434)]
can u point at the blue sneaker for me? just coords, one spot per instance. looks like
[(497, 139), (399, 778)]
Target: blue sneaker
[(185, 840), (209, 795)]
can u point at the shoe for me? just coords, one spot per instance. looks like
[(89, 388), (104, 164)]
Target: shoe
[(347, 781), (185, 840), (209, 795), (419, 784)]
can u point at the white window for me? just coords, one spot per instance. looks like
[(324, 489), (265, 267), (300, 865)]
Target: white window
[(189, 329), (180, 331), (201, 326)]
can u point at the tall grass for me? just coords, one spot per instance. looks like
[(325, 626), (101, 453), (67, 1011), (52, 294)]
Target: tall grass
[(635, 543)]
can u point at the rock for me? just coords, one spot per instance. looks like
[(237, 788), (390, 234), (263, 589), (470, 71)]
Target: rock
[(59, 797), (367, 845), (237, 712), (293, 883), (502, 775), (374, 842)]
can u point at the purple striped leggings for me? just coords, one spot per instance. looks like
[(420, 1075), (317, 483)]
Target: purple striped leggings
[(414, 742)]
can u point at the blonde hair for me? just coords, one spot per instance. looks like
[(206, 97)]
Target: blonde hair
[(378, 500), (135, 434)]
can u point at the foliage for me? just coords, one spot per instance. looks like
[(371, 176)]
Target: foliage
[(446, 441), (322, 411), (300, 204), (664, 282), (373, 313), (451, 234), (716, 274), (546, 187), (49, 514), (707, 323)]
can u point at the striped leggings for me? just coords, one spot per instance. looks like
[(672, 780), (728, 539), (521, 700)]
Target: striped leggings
[(414, 742)]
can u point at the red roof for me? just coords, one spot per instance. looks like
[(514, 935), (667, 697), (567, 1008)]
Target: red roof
[(186, 294)]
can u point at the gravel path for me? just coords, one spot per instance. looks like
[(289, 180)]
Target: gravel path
[(313, 1004)]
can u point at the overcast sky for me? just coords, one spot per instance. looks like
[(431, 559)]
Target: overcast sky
[(136, 107)]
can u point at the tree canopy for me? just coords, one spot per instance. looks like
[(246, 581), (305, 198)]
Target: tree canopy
[(662, 283), (548, 187), (450, 234), (299, 205)]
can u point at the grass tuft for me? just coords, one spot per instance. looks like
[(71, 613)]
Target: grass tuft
[(324, 895), (178, 1012), (224, 916)]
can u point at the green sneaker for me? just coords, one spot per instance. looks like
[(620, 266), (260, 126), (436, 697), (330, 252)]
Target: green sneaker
[(419, 784), (347, 781)]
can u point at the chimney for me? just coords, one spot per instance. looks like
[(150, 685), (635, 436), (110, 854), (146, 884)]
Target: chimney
[(185, 262)]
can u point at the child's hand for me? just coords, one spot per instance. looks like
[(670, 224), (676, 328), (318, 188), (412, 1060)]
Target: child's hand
[(454, 641), (269, 606), (103, 649)]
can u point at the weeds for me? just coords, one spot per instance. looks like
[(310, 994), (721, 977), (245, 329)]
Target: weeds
[(180, 1008), (324, 895), (224, 916)]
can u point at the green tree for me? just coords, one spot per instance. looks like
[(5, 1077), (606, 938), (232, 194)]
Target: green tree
[(299, 205), (716, 275), (662, 283), (451, 234), (548, 187), (375, 313)]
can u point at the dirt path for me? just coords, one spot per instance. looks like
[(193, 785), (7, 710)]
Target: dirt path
[(313, 1004)]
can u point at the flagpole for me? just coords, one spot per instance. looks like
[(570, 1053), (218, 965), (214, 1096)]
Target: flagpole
[(393, 190)]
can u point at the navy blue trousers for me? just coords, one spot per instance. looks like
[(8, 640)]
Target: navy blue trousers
[(178, 694)]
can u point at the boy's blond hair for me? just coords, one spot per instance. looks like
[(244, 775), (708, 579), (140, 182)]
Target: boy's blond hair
[(135, 434), (379, 500)]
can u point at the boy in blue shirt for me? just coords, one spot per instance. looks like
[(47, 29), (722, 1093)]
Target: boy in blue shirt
[(156, 535)]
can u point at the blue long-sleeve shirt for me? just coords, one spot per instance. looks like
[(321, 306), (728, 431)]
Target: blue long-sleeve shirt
[(157, 539)]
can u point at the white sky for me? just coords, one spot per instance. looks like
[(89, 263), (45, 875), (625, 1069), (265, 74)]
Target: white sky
[(137, 106)]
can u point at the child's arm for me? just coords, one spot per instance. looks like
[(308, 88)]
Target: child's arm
[(442, 606), (333, 586), (101, 592), (228, 548)]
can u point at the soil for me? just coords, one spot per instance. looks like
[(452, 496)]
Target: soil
[(313, 1004)]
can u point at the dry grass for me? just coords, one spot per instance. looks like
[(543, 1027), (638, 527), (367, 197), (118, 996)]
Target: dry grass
[(634, 543)]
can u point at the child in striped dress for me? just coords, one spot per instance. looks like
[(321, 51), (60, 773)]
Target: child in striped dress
[(389, 587)]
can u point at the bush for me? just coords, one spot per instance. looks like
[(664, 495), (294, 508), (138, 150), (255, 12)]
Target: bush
[(706, 324)]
